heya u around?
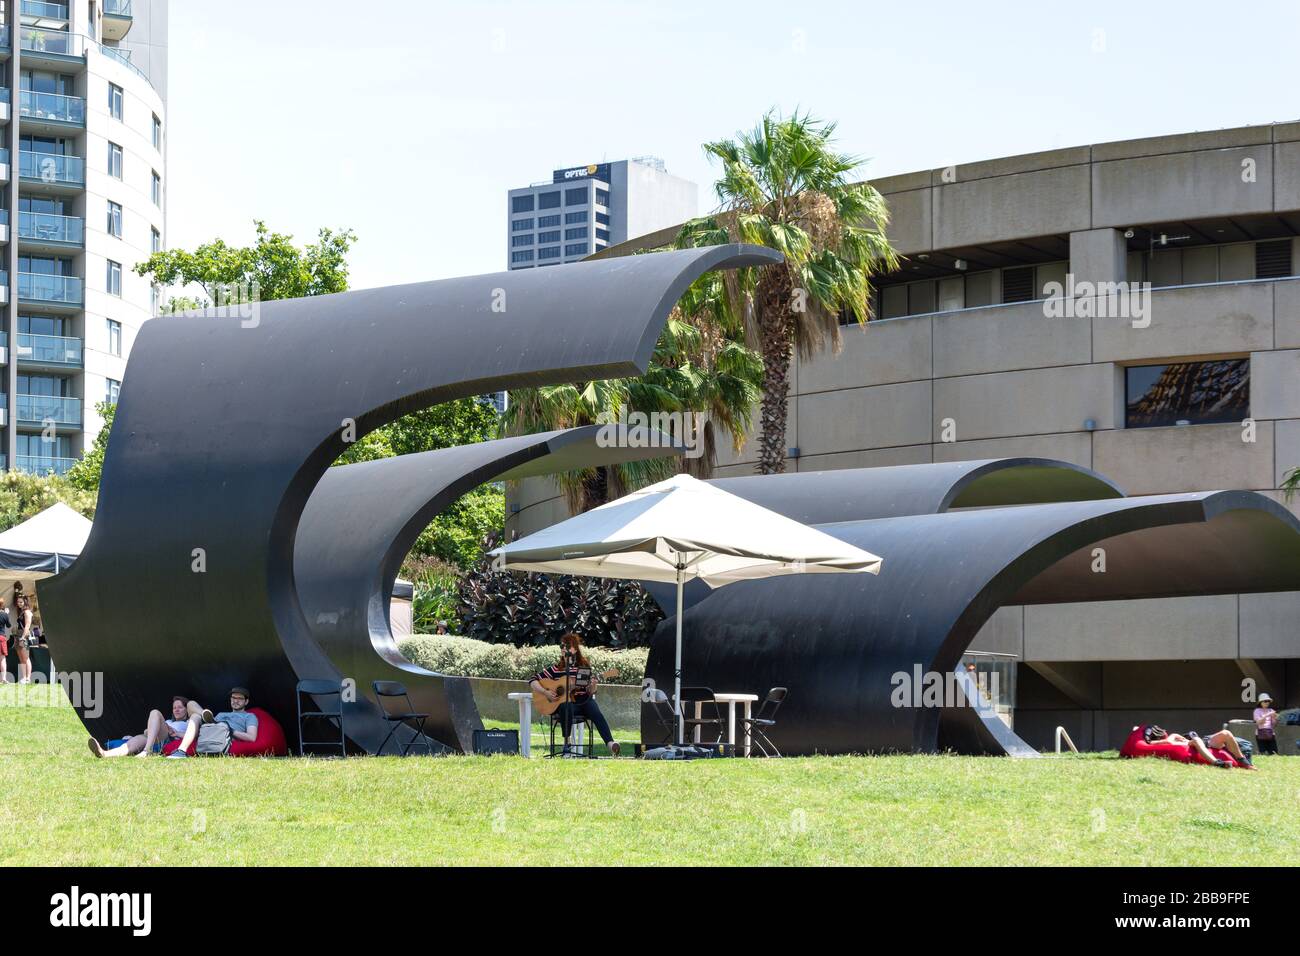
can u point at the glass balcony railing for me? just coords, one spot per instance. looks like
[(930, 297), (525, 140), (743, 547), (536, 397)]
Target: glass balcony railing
[(4, 36), (47, 227), (60, 42), (49, 349), (43, 10), (38, 409), (4, 90), (123, 57), (4, 156), (40, 465), (52, 168), (52, 106), (39, 287), (117, 8)]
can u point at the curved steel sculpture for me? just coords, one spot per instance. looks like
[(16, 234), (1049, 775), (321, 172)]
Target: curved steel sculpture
[(359, 525), (227, 423), (839, 644)]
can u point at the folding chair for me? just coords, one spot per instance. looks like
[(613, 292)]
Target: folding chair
[(662, 707), (387, 689), (764, 720), (316, 689)]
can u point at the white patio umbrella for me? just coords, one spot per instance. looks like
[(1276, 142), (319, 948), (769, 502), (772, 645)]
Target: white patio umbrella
[(677, 530)]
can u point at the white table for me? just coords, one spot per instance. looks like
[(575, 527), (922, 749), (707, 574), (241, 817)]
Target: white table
[(525, 700), (731, 700)]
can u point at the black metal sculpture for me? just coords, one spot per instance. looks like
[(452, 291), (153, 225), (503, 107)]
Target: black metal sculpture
[(839, 642), (227, 423)]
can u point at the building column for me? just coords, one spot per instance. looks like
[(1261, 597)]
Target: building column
[(1098, 255)]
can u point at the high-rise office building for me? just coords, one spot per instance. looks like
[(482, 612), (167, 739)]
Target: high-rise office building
[(83, 93), (583, 209)]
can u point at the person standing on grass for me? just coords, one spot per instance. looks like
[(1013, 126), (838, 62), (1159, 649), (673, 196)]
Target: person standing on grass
[(158, 731), (574, 667), (5, 625), (242, 724), (1265, 725), (22, 635)]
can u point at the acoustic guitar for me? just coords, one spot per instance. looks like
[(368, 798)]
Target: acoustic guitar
[(559, 686)]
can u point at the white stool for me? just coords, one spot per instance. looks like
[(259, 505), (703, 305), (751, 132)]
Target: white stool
[(525, 700)]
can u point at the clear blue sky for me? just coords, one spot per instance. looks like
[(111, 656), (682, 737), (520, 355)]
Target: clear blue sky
[(407, 120)]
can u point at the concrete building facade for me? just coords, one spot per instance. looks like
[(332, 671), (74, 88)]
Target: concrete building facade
[(83, 101), (1022, 323)]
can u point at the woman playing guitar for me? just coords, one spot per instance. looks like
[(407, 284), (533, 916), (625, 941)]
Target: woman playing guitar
[(574, 671)]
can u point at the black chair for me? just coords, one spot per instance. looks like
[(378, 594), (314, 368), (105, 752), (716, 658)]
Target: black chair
[(386, 690), (316, 689), (662, 708), (764, 720), (580, 724), (711, 719)]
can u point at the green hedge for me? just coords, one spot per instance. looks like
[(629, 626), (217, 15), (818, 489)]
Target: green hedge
[(469, 658)]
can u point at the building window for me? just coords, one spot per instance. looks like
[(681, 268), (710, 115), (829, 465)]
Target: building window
[(572, 217), (114, 337), (155, 189), (525, 255), (115, 160), (602, 234), (115, 101), (548, 200), (1187, 393), (549, 236), (576, 249), (602, 218), (521, 203), (114, 219), (580, 233), (575, 197), (157, 133), (112, 389), (550, 252), (521, 240), (114, 280), (155, 240), (519, 225), (545, 221), (602, 197)]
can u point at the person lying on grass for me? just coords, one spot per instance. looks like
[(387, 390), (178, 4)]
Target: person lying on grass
[(242, 724), (186, 714), (1221, 740)]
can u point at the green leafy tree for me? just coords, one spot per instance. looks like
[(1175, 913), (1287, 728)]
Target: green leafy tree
[(86, 473), (281, 269), (784, 186), (23, 495), (1291, 483)]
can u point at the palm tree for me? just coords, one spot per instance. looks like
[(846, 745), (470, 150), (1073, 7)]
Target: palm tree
[(700, 365), (1291, 483), (785, 187)]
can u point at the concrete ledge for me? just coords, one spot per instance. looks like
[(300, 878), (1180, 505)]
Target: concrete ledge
[(1007, 338), (1183, 143), (1181, 186), (1031, 402), (1011, 165), (1202, 628), (1146, 461), (879, 353), (1194, 320)]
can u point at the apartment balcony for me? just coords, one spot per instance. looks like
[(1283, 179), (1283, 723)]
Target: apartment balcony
[(51, 172), (51, 113), (117, 19), (40, 410), (4, 165), (50, 233), (4, 100), (51, 49), (5, 47), (4, 287), (4, 360), (53, 293), (43, 16), (51, 351), (40, 465)]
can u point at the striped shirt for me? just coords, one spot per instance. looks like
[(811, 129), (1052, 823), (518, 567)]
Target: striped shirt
[(581, 677)]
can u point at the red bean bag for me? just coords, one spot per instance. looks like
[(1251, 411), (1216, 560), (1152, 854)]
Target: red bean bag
[(270, 739), (1136, 746)]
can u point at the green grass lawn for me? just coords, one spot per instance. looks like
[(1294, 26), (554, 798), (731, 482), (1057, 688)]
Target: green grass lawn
[(65, 807)]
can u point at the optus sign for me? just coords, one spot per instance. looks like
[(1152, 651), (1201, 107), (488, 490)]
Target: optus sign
[(590, 171)]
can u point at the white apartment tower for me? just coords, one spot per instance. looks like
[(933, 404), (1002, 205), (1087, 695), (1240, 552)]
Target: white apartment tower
[(83, 93)]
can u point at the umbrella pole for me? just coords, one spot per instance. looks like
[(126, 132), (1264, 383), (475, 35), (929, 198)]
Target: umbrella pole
[(677, 667)]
